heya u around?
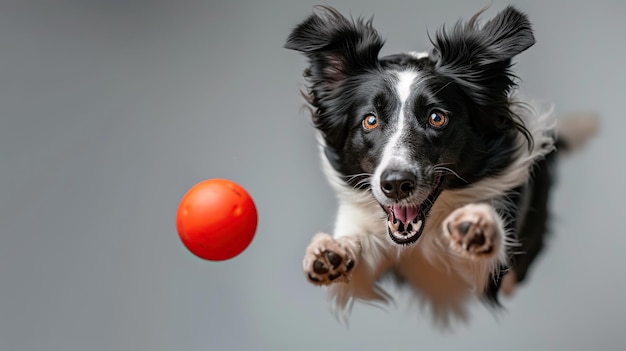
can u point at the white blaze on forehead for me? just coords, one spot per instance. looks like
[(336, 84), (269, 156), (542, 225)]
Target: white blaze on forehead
[(403, 89), (405, 81), (394, 151), (418, 55)]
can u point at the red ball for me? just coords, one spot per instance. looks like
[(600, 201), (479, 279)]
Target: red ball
[(216, 219)]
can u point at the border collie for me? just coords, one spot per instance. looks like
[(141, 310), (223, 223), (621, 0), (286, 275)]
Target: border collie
[(441, 170)]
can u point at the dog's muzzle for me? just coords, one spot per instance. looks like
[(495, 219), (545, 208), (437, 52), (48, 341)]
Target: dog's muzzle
[(405, 223)]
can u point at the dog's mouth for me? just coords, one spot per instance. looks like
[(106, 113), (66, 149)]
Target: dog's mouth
[(405, 223)]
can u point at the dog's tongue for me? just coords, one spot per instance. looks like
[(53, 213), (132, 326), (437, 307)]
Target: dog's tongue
[(404, 214)]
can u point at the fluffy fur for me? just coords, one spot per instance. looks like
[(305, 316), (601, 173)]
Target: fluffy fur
[(442, 172)]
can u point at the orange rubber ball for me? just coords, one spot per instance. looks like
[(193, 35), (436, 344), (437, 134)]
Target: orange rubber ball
[(216, 219)]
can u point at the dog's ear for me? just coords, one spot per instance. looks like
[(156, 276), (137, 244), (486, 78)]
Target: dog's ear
[(479, 57), (335, 46)]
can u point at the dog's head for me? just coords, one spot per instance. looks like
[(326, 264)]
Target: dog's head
[(408, 126)]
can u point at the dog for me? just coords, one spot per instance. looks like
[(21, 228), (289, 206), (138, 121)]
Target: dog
[(441, 170)]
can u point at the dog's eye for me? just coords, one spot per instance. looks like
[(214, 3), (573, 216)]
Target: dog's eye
[(437, 119), (370, 122)]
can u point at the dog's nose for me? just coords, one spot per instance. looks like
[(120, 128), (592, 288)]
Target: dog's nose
[(397, 184)]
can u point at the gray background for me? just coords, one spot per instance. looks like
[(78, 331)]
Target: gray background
[(111, 110)]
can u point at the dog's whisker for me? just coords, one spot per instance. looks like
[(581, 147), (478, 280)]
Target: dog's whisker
[(351, 176), (361, 183), (442, 169), (356, 176), (443, 87)]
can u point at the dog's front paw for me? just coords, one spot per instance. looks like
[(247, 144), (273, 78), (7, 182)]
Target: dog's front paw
[(473, 231), (327, 260)]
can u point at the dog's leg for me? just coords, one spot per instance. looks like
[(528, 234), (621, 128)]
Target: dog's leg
[(476, 236), (350, 266), (350, 261), (329, 260), (353, 253), (475, 232)]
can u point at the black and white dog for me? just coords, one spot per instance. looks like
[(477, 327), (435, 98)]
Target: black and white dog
[(441, 171)]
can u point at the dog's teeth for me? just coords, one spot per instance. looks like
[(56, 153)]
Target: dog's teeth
[(415, 220), (393, 225), (409, 227), (418, 226)]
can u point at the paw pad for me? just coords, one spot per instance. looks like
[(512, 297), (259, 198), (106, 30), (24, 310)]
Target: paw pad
[(327, 261), (472, 230)]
